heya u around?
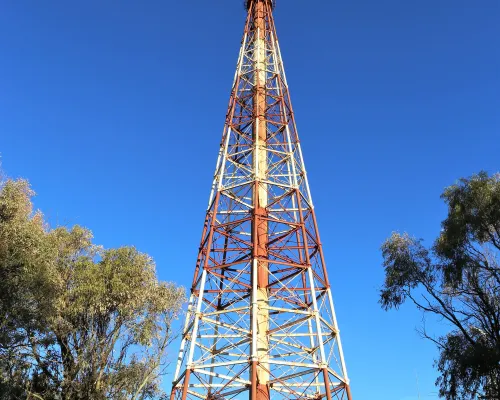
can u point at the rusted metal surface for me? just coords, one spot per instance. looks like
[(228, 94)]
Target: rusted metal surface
[(261, 323)]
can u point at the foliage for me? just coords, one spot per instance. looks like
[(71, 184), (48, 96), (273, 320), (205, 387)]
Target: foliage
[(77, 321), (458, 279)]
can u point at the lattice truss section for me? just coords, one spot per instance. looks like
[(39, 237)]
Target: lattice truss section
[(304, 357)]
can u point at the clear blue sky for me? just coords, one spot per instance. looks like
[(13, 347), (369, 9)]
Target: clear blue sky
[(114, 111)]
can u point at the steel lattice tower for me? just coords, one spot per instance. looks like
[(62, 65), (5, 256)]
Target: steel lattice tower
[(260, 322)]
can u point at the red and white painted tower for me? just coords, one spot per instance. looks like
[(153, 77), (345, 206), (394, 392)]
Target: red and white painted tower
[(261, 323)]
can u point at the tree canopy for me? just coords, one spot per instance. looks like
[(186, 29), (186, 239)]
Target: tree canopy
[(457, 279), (77, 321)]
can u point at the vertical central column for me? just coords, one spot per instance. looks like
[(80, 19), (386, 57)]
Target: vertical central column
[(260, 367)]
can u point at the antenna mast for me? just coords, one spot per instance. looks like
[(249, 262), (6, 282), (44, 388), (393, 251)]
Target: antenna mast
[(260, 323)]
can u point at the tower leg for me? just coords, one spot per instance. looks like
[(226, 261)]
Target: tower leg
[(348, 391), (186, 384), (326, 380), (260, 203)]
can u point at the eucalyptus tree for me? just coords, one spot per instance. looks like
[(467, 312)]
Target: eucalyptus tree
[(77, 321), (458, 280)]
